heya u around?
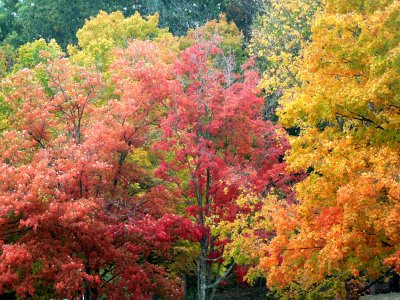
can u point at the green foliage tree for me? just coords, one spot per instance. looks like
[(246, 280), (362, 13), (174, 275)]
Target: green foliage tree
[(181, 15), (243, 13), (7, 9)]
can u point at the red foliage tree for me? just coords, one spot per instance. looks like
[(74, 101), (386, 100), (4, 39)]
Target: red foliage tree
[(70, 221), (215, 144)]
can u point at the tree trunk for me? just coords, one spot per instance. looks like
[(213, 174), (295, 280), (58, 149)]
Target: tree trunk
[(88, 293), (213, 292), (201, 281), (202, 270)]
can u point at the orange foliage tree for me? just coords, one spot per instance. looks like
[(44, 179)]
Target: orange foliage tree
[(345, 228)]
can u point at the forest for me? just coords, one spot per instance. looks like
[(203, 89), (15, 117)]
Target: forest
[(199, 150)]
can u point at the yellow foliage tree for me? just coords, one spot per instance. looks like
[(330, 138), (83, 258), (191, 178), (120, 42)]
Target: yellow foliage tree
[(105, 32), (348, 109), (278, 37), (345, 229), (39, 51)]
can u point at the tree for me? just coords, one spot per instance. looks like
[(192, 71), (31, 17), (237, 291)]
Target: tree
[(215, 143), (278, 37), (80, 213), (31, 54), (228, 36), (102, 34), (345, 229)]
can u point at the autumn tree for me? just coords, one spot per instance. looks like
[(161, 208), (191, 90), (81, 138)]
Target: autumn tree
[(345, 229), (215, 143), (104, 33), (79, 211), (278, 37), (229, 38), (39, 51)]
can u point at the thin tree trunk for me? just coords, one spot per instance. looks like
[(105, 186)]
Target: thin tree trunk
[(213, 291), (202, 269), (201, 281), (88, 292)]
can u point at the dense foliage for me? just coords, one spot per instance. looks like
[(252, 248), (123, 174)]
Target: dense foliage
[(158, 150), (27, 20), (344, 228), (278, 38)]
